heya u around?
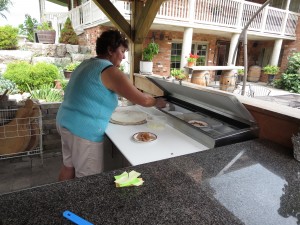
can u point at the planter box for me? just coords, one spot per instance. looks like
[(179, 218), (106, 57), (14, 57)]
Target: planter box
[(46, 36)]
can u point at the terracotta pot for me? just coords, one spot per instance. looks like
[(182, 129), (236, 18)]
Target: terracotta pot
[(190, 64), (67, 74), (57, 84)]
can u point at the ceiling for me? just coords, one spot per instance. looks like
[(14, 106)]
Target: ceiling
[(59, 2)]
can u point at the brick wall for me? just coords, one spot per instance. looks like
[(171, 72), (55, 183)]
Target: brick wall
[(90, 35)]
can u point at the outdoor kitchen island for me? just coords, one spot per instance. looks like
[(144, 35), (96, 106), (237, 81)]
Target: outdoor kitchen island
[(253, 182)]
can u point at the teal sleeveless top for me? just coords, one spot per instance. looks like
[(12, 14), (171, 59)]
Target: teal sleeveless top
[(88, 104)]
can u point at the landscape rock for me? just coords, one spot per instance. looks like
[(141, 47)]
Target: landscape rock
[(7, 56), (58, 54)]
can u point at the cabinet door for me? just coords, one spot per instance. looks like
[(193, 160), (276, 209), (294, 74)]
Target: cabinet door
[(113, 158)]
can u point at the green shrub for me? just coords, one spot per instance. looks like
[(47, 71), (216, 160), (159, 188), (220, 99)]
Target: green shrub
[(19, 73), (8, 37), (293, 65), (290, 79), (34, 76), (68, 35), (6, 84), (44, 73), (46, 92), (289, 82)]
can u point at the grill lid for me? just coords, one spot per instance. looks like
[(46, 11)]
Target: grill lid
[(219, 102)]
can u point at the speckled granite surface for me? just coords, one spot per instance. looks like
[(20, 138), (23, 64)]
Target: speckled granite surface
[(255, 182)]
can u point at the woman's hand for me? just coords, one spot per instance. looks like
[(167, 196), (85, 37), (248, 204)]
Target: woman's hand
[(160, 103)]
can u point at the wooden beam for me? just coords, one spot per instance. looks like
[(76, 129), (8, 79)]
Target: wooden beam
[(136, 48), (146, 19), (115, 17)]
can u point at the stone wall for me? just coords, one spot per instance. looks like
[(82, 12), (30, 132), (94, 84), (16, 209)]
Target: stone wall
[(51, 138), (57, 54)]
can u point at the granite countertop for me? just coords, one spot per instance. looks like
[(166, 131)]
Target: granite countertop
[(255, 182)]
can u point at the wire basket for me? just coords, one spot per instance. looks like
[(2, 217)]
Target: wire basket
[(296, 144), (20, 136)]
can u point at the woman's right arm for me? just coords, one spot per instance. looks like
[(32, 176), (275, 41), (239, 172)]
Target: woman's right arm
[(116, 80)]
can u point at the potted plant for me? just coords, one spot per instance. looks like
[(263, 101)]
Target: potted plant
[(240, 73), (45, 33), (69, 68), (178, 74), (271, 71), (192, 59), (149, 52)]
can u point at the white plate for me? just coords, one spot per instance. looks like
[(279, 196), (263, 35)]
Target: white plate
[(198, 123), (144, 137)]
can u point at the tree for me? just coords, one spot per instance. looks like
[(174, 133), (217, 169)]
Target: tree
[(4, 5), (68, 35), (28, 27)]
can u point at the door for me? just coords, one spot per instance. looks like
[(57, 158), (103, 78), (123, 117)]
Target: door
[(222, 51)]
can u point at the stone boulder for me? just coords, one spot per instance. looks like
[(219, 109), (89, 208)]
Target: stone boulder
[(7, 56), (58, 54)]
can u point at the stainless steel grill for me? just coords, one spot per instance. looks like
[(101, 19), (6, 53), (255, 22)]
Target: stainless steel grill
[(211, 117)]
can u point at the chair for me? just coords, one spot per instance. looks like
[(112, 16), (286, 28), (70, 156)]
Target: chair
[(256, 91)]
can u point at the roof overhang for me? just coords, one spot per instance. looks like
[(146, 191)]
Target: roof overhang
[(59, 2)]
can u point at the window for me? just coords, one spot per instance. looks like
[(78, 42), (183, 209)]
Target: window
[(201, 50), (176, 55), (197, 48)]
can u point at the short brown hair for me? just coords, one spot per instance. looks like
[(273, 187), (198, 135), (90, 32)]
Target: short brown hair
[(110, 39)]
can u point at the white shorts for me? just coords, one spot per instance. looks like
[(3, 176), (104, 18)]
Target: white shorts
[(83, 155)]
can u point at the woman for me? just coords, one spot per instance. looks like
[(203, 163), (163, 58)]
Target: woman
[(89, 101)]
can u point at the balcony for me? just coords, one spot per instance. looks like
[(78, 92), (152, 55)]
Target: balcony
[(210, 15)]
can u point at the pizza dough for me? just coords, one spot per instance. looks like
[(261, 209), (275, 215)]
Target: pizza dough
[(128, 117)]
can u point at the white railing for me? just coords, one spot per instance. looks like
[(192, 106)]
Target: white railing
[(219, 13)]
